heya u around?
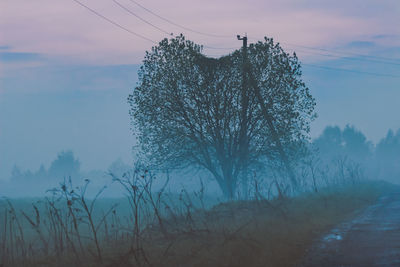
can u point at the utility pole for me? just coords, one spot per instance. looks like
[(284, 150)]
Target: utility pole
[(243, 138), (248, 77), (244, 101)]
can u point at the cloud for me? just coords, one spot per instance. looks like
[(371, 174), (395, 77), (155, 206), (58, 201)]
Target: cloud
[(361, 44), (69, 32), (19, 57), (386, 36), (69, 78)]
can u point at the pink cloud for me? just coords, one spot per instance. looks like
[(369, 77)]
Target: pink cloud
[(67, 31)]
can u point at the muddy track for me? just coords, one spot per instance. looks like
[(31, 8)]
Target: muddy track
[(371, 239)]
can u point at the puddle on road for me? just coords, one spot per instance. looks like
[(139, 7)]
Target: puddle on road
[(337, 234), (332, 237), (385, 224)]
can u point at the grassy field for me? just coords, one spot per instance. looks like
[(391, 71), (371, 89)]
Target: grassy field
[(256, 232)]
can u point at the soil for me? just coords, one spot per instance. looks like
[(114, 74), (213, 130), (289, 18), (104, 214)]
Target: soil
[(372, 238)]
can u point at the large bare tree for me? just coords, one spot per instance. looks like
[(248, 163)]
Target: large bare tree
[(189, 109)]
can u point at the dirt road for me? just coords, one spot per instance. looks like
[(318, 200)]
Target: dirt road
[(371, 239)]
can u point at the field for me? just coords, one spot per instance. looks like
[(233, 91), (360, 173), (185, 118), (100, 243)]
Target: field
[(163, 229)]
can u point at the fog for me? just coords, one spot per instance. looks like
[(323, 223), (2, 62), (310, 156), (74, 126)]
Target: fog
[(199, 133), (336, 149), (47, 110)]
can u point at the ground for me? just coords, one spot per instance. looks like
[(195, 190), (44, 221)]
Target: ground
[(355, 224), (372, 238)]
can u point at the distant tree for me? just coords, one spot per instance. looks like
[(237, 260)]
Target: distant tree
[(388, 147), (387, 155), (118, 168), (355, 144), (42, 172), (351, 143), (65, 165), (16, 172), (330, 143), (188, 109)]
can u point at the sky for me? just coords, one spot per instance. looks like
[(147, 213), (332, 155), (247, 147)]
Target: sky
[(65, 73)]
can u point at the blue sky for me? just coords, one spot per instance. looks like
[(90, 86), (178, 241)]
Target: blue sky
[(65, 74)]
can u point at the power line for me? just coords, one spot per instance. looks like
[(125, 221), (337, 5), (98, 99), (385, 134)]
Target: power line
[(388, 60), (162, 30), (347, 58), (137, 34), (381, 59), (228, 36), (179, 25), (353, 71), (210, 47), (185, 28), (114, 23), (364, 57), (142, 19)]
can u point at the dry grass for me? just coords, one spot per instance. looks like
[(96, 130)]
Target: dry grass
[(261, 233), (241, 233)]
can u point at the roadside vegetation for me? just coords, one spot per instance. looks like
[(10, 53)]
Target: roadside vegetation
[(164, 229)]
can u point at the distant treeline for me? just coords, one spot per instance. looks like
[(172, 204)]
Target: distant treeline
[(66, 166), (335, 150), (380, 161)]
